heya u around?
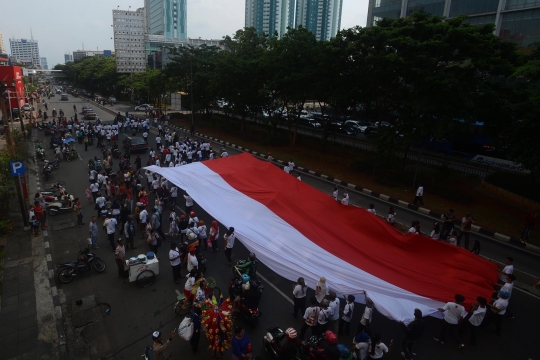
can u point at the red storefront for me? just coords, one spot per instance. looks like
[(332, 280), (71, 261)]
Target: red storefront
[(11, 76)]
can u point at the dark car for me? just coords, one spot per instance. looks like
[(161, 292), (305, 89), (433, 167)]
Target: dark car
[(309, 122), (134, 144)]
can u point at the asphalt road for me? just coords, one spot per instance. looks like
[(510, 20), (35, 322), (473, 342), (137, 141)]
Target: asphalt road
[(136, 312)]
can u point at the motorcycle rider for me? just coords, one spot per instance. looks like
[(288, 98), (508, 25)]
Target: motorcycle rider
[(289, 349), (250, 266), (331, 350), (250, 297)]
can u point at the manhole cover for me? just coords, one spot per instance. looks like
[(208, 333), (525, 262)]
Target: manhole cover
[(62, 224)]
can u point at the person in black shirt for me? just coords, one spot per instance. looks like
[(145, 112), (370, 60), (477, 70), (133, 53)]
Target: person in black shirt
[(413, 331), (251, 297), (138, 164), (289, 349)]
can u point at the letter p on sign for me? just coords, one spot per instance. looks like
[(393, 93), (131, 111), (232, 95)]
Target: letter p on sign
[(17, 168)]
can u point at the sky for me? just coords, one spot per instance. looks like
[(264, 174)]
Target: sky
[(63, 26)]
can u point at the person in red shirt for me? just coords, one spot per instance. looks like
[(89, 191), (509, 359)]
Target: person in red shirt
[(38, 210)]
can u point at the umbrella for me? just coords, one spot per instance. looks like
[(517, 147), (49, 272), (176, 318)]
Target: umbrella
[(70, 140)]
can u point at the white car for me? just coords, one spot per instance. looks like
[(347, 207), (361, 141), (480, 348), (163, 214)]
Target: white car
[(143, 107), (27, 107)]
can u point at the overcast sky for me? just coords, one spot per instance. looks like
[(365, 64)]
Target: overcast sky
[(62, 26)]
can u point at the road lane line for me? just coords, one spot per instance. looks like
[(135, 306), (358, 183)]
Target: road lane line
[(275, 288)]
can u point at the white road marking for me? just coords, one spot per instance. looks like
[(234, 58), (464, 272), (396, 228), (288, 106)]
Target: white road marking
[(275, 288)]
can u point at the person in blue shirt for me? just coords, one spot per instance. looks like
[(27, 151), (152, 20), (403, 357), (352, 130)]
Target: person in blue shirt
[(240, 344)]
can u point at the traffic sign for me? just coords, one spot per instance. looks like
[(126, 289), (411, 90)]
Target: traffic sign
[(17, 168)]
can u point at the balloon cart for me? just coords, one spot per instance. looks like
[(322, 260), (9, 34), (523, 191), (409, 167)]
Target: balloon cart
[(142, 270)]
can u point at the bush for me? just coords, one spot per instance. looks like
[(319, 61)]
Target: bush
[(520, 184)]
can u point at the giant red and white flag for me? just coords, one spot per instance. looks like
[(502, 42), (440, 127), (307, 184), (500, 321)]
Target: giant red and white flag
[(298, 231)]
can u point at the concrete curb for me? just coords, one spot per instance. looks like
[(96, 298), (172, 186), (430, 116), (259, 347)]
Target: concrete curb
[(62, 348), (483, 231)]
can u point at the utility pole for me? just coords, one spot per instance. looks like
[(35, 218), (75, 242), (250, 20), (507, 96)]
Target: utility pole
[(12, 154)]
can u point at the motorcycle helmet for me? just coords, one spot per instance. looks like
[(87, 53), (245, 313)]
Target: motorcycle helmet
[(182, 217), (245, 278), (290, 333), (330, 337), (192, 214), (344, 351)]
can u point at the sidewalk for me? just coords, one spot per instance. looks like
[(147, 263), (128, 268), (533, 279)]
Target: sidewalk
[(29, 320)]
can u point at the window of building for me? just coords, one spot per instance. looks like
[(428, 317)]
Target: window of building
[(521, 27), (467, 7), (433, 7), (521, 4)]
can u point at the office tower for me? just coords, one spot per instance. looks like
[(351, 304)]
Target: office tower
[(43, 63), (321, 17), (270, 16), (515, 20), (2, 48), (167, 18), (25, 50), (129, 42), (68, 58)]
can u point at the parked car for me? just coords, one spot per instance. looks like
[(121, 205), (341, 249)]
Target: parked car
[(143, 107), (27, 107), (134, 144), (309, 122), (340, 128), (112, 100)]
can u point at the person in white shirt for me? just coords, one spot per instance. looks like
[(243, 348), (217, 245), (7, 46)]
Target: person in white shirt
[(173, 195), (321, 290), (361, 343), (335, 194), (111, 225), (377, 348), (299, 296), (174, 258), (365, 321), (291, 165), (299, 177), (310, 318), (372, 209), (497, 310), (345, 321), (345, 200), (191, 260), (287, 169), (325, 314), (454, 312), (224, 154), (191, 277), (229, 238), (143, 215), (391, 216), (474, 318), (189, 203), (508, 269), (419, 195), (334, 319), (436, 232)]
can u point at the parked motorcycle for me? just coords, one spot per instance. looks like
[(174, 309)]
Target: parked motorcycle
[(54, 164), (116, 153), (306, 347), (40, 152), (72, 155), (47, 169), (84, 263), (63, 205)]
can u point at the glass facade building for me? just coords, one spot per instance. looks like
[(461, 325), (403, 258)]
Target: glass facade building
[(514, 20), (167, 18)]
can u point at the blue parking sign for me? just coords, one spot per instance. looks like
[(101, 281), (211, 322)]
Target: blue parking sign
[(17, 168)]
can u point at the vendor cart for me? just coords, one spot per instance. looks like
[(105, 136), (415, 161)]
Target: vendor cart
[(143, 270)]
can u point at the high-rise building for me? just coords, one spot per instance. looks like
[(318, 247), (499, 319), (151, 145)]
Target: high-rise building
[(129, 42), (321, 17), (167, 18), (2, 48), (514, 20), (81, 54), (270, 16), (26, 51), (68, 58), (43, 63)]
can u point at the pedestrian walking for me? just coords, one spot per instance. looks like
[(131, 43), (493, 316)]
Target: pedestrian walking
[(333, 322), (88, 194), (129, 233), (241, 347), (310, 318), (196, 321), (448, 225), (214, 235), (93, 232), (365, 321), (111, 224), (120, 257), (156, 224), (474, 318), (203, 238), (391, 216), (321, 290), (325, 313), (174, 258), (497, 311), (77, 209), (229, 243), (345, 320), (152, 241), (413, 332), (465, 230), (454, 313), (530, 218), (299, 296), (345, 200), (419, 195), (508, 269), (39, 214), (189, 203)]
